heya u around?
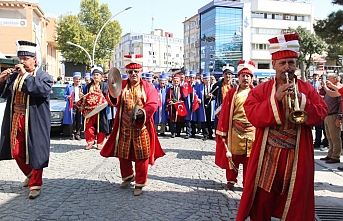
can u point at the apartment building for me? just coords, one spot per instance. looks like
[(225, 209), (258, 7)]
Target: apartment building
[(25, 20), (192, 43), (233, 30), (160, 50)]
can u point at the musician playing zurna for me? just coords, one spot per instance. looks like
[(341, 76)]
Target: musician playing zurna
[(280, 178), (234, 132), (25, 132), (72, 114), (97, 123), (133, 137), (205, 113)]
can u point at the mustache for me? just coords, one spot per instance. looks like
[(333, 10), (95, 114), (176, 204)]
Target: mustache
[(288, 71)]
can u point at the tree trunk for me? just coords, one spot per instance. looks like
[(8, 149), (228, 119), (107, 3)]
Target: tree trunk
[(303, 72)]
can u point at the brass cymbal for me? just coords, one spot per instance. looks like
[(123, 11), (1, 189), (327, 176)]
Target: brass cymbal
[(114, 82)]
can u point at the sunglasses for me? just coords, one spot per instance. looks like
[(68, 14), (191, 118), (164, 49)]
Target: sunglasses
[(131, 71)]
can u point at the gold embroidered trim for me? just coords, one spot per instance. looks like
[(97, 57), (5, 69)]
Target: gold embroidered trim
[(128, 177), (274, 106), (293, 176)]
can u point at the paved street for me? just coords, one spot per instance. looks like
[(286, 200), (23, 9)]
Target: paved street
[(183, 185)]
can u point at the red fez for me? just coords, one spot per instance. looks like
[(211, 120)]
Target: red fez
[(246, 67), (177, 76), (133, 61), (284, 46)]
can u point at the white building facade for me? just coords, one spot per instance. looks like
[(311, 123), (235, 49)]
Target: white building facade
[(270, 18), (235, 30), (161, 52)]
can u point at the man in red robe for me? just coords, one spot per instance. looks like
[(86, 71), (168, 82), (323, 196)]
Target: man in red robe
[(133, 137), (280, 175), (174, 95), (234, 128)]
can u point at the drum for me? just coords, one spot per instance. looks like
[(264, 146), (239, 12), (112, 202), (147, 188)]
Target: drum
[(92, 103), (217, 111)]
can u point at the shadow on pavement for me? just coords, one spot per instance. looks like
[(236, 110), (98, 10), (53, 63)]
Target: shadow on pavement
[(82, 199), (189, 154), (64, 148), (190, 182)]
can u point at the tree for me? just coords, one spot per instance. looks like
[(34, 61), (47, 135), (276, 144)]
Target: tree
[(310, 44), (83, 29), (331, 31)]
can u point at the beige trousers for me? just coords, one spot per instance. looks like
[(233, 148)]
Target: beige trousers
[(333, 133)]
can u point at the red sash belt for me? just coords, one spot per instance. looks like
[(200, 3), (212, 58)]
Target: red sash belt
[(244, 129), (19, 109), (282, 138)]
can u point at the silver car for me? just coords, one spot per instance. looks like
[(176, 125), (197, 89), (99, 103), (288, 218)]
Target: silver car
[(57, 107)]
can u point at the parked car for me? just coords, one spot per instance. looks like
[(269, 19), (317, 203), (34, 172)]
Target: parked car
[(57, 107)]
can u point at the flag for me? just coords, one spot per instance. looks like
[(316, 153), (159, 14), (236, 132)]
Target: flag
[(71, 101), (187, 88), (195, 104), (181, 109)]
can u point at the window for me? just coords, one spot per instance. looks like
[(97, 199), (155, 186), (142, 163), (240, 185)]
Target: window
[(257, 15), (278, 17), (260, 47), (263, 66)]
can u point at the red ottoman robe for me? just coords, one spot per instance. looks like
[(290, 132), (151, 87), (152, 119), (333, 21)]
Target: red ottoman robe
[(263, 110), (110, 148), (223, 128)]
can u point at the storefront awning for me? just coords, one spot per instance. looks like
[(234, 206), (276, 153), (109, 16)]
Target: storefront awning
[(9, 61), (262, 74)]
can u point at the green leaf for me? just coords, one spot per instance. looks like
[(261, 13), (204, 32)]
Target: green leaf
[(83, 29), (310, 44)]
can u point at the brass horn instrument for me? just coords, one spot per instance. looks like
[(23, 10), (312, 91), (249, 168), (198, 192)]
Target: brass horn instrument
[(296, 116)]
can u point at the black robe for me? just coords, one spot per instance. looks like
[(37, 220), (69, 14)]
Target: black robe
[(38, 88), (103, 127)]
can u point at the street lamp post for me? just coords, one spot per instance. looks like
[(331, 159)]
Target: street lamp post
[(79, 46), (96, 39)]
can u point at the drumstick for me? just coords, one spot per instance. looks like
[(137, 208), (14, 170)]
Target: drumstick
[(229, 156), (211, 96), (214, 89)]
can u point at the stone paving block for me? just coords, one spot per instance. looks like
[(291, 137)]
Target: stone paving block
[(81, 185)]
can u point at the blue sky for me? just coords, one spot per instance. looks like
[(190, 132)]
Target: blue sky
[(168, 14)]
